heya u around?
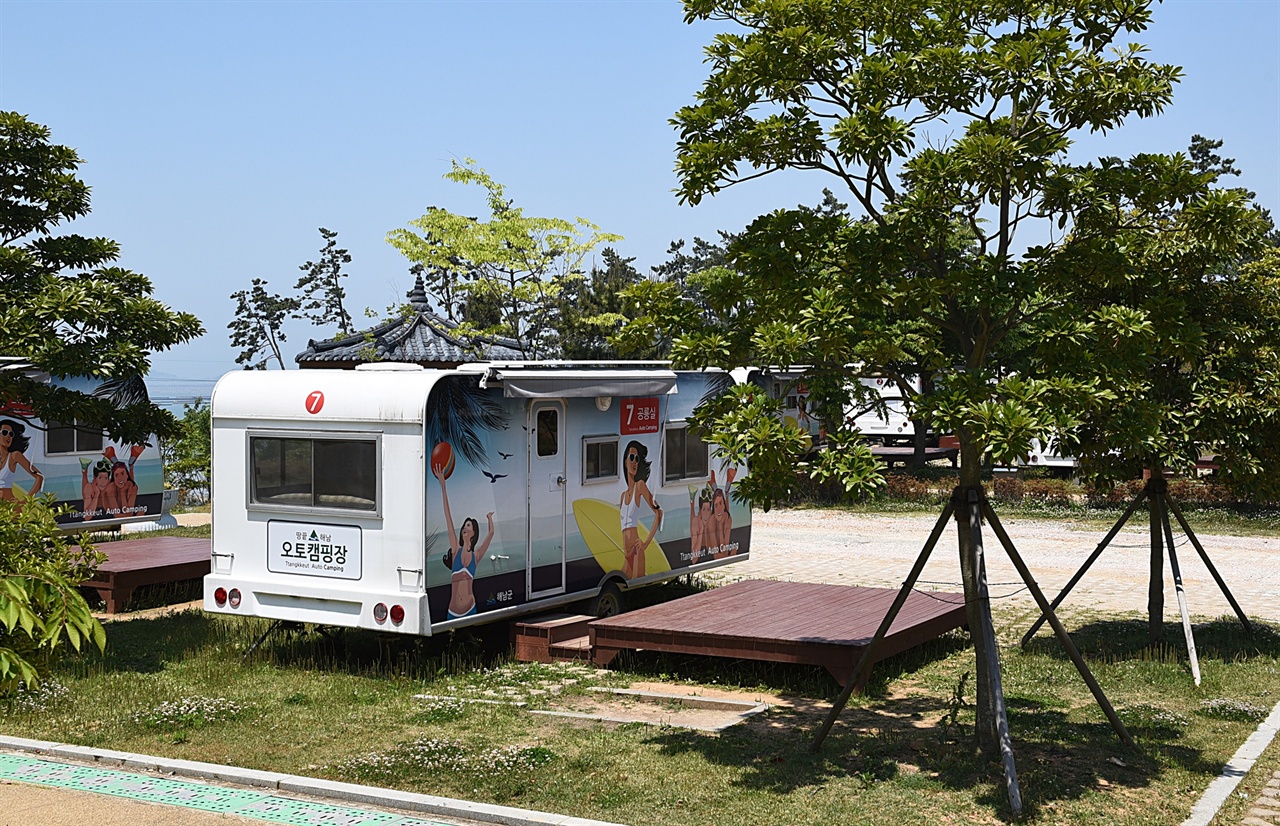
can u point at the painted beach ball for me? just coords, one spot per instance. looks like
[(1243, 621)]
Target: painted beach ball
[(442, 461)]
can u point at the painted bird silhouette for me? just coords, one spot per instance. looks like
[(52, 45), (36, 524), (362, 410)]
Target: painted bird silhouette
[(494, 477), (505, 455)]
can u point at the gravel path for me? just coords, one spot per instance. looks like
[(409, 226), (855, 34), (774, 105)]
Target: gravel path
[(859, 549)]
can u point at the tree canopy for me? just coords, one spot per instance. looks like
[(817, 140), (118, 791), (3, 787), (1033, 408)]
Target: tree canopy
[(949, 126), (322, 297), (67, 308), (257, 326), (512, 265), (977, 249), (592, 308)]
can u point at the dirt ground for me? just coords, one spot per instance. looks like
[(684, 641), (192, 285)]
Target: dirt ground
[(844, 548)]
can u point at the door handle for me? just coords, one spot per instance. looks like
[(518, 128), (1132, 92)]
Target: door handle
[(560, 480)]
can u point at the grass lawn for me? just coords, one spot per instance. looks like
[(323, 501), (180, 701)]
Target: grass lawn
[(345, 709)]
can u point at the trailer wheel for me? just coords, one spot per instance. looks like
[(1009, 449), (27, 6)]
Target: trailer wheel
[(607, 603)]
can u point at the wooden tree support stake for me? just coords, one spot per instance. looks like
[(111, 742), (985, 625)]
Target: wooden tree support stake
[(988, 632), (1097, 552), (1208, 563), (858, 675), (1182, 597), (1056, 624), (1157, 492)]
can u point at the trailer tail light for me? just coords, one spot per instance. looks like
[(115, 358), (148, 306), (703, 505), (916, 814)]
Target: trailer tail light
[(380, 613), (397, 614), (220, 597), (234, 597)]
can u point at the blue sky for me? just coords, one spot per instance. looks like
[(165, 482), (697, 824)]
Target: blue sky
[(217, 137)]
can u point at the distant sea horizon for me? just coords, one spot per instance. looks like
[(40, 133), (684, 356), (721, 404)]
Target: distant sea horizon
[(175, 393)]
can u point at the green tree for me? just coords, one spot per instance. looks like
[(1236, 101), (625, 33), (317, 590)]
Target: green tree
[(188, 466), (257, 327), (949, 125), (1199, 371), (515, 263), (41, 609), (322, 295), (69, 311), (66, 307), (682, 276), (593, 308)]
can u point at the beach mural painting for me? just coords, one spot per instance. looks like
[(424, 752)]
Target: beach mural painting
[(640, 495), (95, 478)]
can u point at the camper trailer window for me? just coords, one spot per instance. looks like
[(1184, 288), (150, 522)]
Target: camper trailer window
[(315, 473), (548, 432), (685, 455), (76, 437), (599, 458)]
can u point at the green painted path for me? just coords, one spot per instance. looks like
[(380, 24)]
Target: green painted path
[(265, 806)]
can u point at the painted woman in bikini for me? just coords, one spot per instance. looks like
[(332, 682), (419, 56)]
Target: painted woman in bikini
[(635, 470), (13, 443), (122, 492), (721, 519), (464, 554)]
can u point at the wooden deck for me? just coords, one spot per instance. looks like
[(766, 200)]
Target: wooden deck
[(903, 455), (789, 622), (132, 563)]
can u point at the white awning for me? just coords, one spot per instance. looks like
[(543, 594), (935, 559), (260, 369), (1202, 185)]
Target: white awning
[(559, 384)]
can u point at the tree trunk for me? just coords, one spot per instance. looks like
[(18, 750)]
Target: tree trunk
[(921, 426), (1155, 588), (977, 611), (918, 443)]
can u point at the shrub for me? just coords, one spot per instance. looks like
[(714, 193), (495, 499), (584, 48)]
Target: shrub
[(40, 603), (905, 487), (1052, 491), (1008, 489)]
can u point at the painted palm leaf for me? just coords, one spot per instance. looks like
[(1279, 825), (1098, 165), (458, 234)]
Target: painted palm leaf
[(458, 412), (123, 393), (718, 384)]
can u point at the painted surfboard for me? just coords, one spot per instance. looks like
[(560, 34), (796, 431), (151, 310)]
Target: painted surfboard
[(600, 524)]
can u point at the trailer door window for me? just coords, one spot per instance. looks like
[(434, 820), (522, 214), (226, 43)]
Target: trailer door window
[(77, 437), (548, 432), (315, 473), (685, 455)]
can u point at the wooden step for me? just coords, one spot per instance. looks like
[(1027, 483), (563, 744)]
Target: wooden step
[(578, 648), (534, 638)]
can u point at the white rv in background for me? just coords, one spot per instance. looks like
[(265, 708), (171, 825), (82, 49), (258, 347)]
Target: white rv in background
[(890, 426), (408, 500), (101, 483)]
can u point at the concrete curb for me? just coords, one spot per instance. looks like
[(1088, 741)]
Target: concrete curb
[(1235, 770), (349, 792)]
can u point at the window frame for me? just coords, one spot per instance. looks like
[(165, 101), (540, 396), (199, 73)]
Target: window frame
[(605, 438), (316, 435), (683, 426), (76, 429)]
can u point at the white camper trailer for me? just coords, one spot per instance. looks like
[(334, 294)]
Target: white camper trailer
[(100, 483), (890, 426), (401, 499)]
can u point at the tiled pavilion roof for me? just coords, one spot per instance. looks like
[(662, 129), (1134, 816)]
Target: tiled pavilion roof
[(418, 337)]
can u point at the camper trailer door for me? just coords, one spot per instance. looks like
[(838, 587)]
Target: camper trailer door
[(548, 487)]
